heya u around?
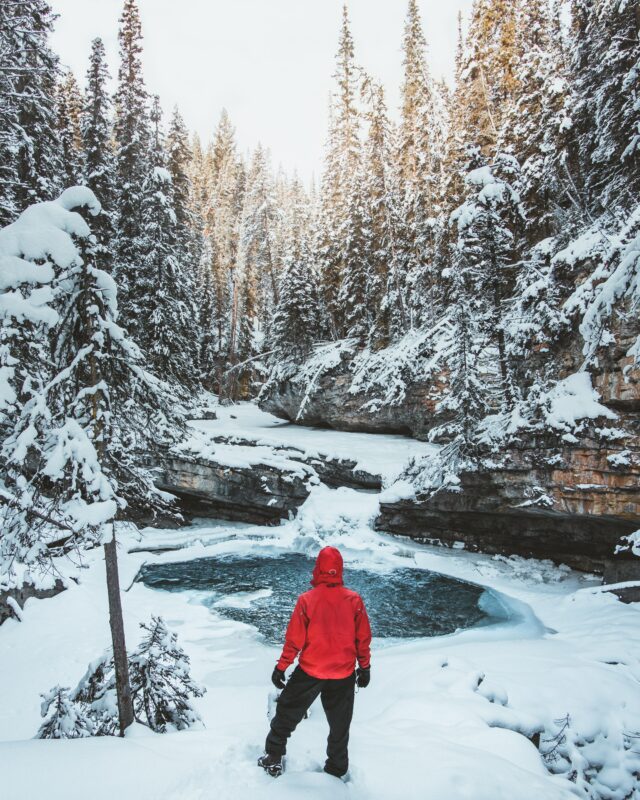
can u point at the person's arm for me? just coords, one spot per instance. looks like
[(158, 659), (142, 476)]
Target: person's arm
[(363, 636), (295, 637)]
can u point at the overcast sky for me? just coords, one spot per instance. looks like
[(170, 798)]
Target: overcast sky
[(269, 62)]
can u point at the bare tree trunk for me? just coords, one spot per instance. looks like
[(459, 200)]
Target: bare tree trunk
[(123, 687)]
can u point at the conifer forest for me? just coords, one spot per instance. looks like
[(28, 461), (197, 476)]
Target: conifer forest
[(428, 356)]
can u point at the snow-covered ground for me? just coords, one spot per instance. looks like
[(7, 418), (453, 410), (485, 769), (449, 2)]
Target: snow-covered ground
[(443, 718)]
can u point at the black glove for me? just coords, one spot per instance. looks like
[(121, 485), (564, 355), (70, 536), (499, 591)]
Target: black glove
[(277, 679), (363, 676)]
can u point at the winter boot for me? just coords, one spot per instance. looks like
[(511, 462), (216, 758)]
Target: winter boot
[(272, 765)]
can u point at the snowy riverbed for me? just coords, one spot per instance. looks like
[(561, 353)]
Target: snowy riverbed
[(444, 718), (379, 454)]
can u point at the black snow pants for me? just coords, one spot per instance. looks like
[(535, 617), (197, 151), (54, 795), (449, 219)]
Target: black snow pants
[(296, 698)]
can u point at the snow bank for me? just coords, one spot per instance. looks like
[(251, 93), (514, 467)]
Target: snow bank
[(573, 399), (378, 454)]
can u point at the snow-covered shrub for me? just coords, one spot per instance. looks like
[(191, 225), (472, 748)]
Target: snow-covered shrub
[(161, 688), (96, 694), (604, 762), (67, 719), (160, 681)]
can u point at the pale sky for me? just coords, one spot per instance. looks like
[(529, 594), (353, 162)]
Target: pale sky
[(268, 62)]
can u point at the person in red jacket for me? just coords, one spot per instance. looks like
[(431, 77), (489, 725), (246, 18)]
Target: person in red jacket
[(329, 631)]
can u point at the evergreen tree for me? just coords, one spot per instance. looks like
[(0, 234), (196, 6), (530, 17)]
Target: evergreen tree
[(353, 296), (132, 139), (66, 719), (9, 132), (178, 164), (30, 166), (256, 262), (488, 74), (222, 213), (486, 225), (420, 151), (385, 293), (208, 324), (72, 449), (531, 128), (70, 104), (167, 336), (197, 210), (606, 59), (99, 159), (296, 321), (161, 684), (464, 403), (343, 163)]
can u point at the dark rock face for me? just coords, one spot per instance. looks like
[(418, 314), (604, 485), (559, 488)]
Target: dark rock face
[(22, 594), (260, 493), (571, 508), (331, 403)]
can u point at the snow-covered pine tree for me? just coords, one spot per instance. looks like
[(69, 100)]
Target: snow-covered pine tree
[(258, 291), (160, 679), (162, 689), (70, 104), (242, 290), (197, 210), (198, 184), (222, 215), (342, 164), (29, 75), (328, 240), (208, 328), (464, 403), (605, 65), (421, 139), (488, 74), (167, 334), (178, 164), (96, 696), (66, 719), (296, 321), (9, 47), (132, 142), (74, 424), (386, 286), (533, 127), (486, 227), (455, 153), (353, 297), (27, 318), (222, 148), (99, 158)]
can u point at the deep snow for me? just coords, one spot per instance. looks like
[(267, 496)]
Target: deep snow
[(439, 720)]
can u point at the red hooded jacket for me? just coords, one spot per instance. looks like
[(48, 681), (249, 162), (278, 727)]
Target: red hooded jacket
[(329, 627)]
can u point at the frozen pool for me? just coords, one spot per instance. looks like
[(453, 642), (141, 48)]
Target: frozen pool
[(261, 591)]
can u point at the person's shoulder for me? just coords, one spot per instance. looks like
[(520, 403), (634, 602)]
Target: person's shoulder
[(305, 596), (353, 596)]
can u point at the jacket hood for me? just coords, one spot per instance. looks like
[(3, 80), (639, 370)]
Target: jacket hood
[(328, 568)]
